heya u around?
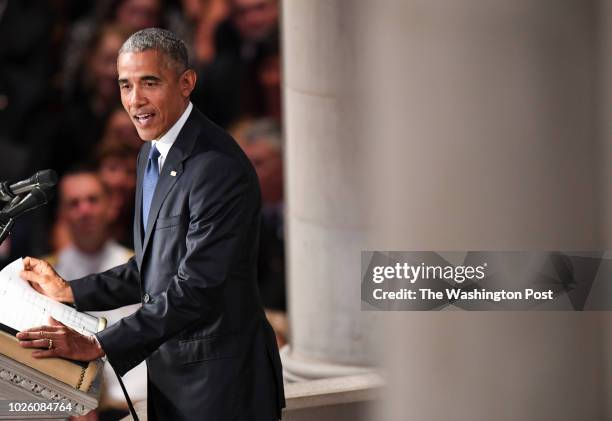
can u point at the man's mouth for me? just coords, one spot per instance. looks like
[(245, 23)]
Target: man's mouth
[(143, 118)]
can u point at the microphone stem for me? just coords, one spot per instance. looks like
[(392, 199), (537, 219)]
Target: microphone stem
[(5, 227)]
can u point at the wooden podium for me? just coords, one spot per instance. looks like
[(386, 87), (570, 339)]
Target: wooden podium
[(45, 388), (20, 383)]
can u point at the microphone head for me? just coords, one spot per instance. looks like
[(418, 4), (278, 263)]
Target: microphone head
[(34, 199), (40, 196), (45, 178)]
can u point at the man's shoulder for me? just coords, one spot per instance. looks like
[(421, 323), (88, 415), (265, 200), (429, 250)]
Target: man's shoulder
[(211, 136), (120, 253), (216, 148)]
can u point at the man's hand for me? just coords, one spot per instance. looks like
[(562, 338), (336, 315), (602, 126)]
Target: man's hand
[(45, 280), (58, 340)]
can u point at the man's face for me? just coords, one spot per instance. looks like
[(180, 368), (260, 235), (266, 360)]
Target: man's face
[(139, 14), (152, 92), (268, 163), (120, 126), (254, 18), (84, 206), (103, 65), (119, 174)]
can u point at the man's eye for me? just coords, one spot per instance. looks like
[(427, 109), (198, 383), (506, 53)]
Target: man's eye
[(124, 86), (149, 84)]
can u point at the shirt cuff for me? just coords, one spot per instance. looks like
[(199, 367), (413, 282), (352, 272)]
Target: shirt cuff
[(100, 345)]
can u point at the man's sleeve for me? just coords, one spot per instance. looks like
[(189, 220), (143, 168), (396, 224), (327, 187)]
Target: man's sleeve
[(222, 204), (117, 287)]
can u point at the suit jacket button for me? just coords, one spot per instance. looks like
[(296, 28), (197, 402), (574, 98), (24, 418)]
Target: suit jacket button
[(146, 298)]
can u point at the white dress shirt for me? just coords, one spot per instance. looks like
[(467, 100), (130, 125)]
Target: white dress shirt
[(164, 143)]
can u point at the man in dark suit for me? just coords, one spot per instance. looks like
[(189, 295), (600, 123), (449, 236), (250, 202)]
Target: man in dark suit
[(210, 352)]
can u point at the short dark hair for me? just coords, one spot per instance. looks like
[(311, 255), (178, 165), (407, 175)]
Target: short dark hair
[(162, 40), (84, 168)]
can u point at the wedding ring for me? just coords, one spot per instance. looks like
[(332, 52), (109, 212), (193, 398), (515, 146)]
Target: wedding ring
[(50, 344)]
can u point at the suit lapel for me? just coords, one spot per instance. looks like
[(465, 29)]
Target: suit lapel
[(170, 172), (164, 185)]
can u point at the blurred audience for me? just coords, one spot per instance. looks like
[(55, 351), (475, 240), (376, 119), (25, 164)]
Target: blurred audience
[(117, 169), (25, 71), (133, 15), (85, 110), (98, 69), (259, 133), (204, 16), (267, 74), (85, 211), (261, 141), (225, 90), (121, 131), (264, 150)]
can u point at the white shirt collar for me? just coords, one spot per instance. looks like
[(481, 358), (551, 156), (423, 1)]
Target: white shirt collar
[(164, 143)]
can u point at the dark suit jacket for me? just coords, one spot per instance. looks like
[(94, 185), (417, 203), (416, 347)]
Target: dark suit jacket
[(210, 352)]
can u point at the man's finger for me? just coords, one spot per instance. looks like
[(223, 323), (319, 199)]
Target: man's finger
[(30, 262), (35, 332), (34, 264), (47, 353), (37, 343), (27, 262), (31, 336), (30, 276)]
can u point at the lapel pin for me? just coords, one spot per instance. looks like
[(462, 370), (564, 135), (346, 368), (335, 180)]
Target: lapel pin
[(173, 173)]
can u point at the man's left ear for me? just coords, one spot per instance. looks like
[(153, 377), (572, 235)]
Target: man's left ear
[(188, 82)]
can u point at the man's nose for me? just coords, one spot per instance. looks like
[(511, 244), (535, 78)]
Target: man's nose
[(84, 207), (137, 97)]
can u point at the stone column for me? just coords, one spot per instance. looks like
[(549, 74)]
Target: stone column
[(326, 226), (436, 125), (605, 119), (485, 113)]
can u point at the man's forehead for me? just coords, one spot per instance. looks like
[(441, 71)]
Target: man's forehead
[(76, 184), (143, 61)]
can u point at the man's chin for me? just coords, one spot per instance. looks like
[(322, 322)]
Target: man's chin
[(146, 136)]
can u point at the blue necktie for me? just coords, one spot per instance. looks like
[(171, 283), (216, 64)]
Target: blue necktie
[(148, 184)]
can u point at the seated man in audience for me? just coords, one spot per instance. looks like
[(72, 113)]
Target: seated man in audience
[(84, 207)]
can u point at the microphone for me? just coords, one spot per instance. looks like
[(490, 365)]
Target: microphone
[(44, 179), (35, 199)]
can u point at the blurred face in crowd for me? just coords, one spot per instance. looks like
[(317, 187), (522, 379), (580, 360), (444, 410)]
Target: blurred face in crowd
[(269, 77), (254, 19), (103, 65), (84, 206), (269, 73), (119, 174), (139, 14), (120, 126), (268, 163), (153, 91), (193, 9)]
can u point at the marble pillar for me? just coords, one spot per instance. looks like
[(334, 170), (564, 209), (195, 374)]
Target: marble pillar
[(326, 226), (486, 113)]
